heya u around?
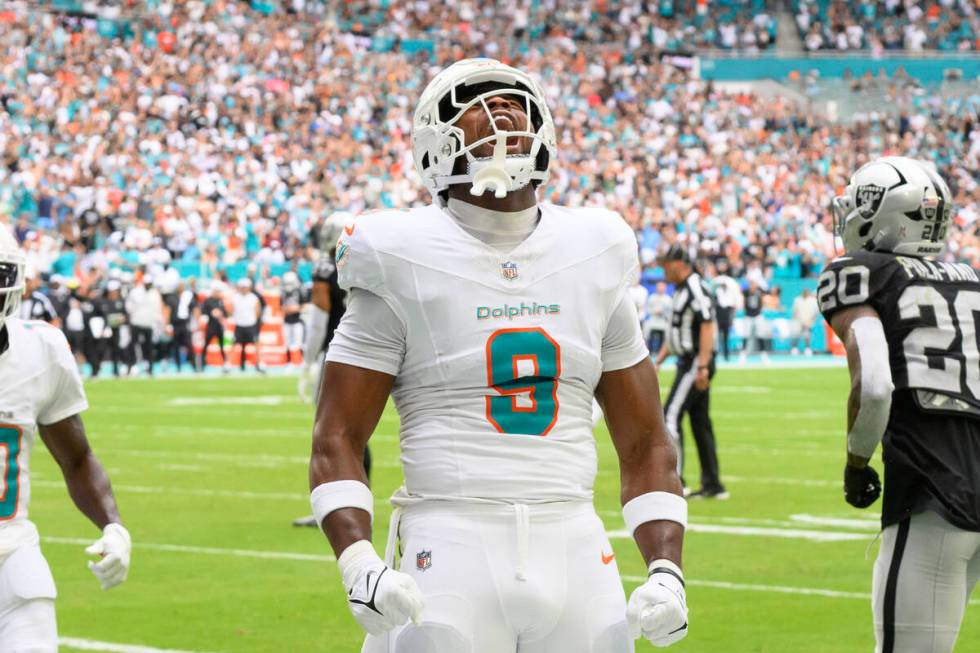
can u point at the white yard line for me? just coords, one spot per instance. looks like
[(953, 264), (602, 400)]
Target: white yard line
[(262, 400), (193, 492), (109, 647), (777, 480), (758, 531), (220, 551), (773, 589)]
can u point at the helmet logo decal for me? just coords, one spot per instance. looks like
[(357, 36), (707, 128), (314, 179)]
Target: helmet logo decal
[(869, 199)]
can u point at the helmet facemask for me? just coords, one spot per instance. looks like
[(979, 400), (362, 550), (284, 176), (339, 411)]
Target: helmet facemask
[(11, 287), (500, 172)]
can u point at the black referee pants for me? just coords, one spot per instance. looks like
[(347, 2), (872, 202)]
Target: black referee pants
[(685, 398)]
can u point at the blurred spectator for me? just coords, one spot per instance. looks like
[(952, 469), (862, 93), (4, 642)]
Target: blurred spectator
[(727, 299), (754, 322), (292, 303), (246, 312), (114, 310), (35, 305), (805, 312), (144, 306), (184, 314), (217, 312), (658, 309)]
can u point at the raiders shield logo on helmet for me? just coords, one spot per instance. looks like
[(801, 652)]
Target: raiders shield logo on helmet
[(869, 199)]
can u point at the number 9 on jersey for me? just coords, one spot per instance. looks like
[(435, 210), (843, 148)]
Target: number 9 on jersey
[(523, 366)]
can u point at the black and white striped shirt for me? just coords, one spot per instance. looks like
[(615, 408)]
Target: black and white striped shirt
[(37, 307), (692, 306)]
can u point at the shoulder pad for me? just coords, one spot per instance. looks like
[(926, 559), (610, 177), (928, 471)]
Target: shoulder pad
[(599, 230), (854, 279), (357, 260)]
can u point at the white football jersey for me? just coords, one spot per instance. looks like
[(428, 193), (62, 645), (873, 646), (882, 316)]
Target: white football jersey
[(39, 384), (497, 356)]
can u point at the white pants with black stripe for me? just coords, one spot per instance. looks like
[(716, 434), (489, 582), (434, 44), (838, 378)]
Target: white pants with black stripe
[(923, 577)]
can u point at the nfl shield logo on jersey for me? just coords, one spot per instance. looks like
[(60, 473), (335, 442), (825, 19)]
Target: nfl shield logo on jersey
[(423, 560), (509, 270)]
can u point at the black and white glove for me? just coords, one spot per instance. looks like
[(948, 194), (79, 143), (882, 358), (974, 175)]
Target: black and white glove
[(379, 597), (862, 487), (657, 609)]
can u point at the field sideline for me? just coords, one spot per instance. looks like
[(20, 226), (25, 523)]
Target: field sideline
[(209, 472)]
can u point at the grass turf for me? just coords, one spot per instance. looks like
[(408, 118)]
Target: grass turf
[(209, 471)]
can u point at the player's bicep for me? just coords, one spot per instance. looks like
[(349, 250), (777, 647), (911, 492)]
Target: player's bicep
[(630, 399), (66, 441), (350, 405)]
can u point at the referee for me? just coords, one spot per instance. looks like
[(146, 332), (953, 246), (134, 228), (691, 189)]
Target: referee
[(691, 337)]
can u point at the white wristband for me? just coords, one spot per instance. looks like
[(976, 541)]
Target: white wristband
[(335, 495), (354, 557), (654, 506), (665, 564)]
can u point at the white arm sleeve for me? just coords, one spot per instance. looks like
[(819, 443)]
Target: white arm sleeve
[(876, 387), (622, 344), (370, 335)]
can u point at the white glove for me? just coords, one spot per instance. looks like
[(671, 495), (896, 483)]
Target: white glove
[(379, 597), (657, 609), (114, 547)]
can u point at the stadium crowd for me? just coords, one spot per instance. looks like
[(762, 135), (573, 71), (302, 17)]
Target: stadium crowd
[(214, 134), (947, 25)]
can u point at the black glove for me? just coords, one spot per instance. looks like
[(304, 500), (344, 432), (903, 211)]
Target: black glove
[(862, 487)]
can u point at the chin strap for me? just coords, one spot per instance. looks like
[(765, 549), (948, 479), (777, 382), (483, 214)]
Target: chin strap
[(498, 173)]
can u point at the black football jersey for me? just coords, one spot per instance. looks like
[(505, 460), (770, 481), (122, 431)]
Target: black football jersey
[(929, 310)]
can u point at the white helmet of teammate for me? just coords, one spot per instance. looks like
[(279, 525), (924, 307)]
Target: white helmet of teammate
[(12, 264), (437, 143), (894, 204), (290, 281)]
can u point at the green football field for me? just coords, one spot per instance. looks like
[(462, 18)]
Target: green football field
[(209, 472)]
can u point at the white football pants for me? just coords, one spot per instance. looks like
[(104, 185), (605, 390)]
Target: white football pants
[(510, 579), (27, 593), (923, 577)]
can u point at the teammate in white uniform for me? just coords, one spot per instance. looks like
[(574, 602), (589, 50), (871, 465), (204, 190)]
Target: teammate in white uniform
[(493, 321), (41, 393)]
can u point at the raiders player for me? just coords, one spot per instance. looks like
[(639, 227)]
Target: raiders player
[(325, 310), (41, 394), (909, 323), (493, 320)]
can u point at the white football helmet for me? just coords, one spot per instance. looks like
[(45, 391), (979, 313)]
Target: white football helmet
[(894, 204), (437, 142), (290, 281), (12, 264)]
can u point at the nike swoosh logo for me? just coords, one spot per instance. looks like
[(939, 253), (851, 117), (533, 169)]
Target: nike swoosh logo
[(349, 229), (606, 559)]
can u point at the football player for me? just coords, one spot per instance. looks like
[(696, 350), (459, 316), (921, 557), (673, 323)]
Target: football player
[(325, 309), (493, 320), (909, 323), (41, 393)]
